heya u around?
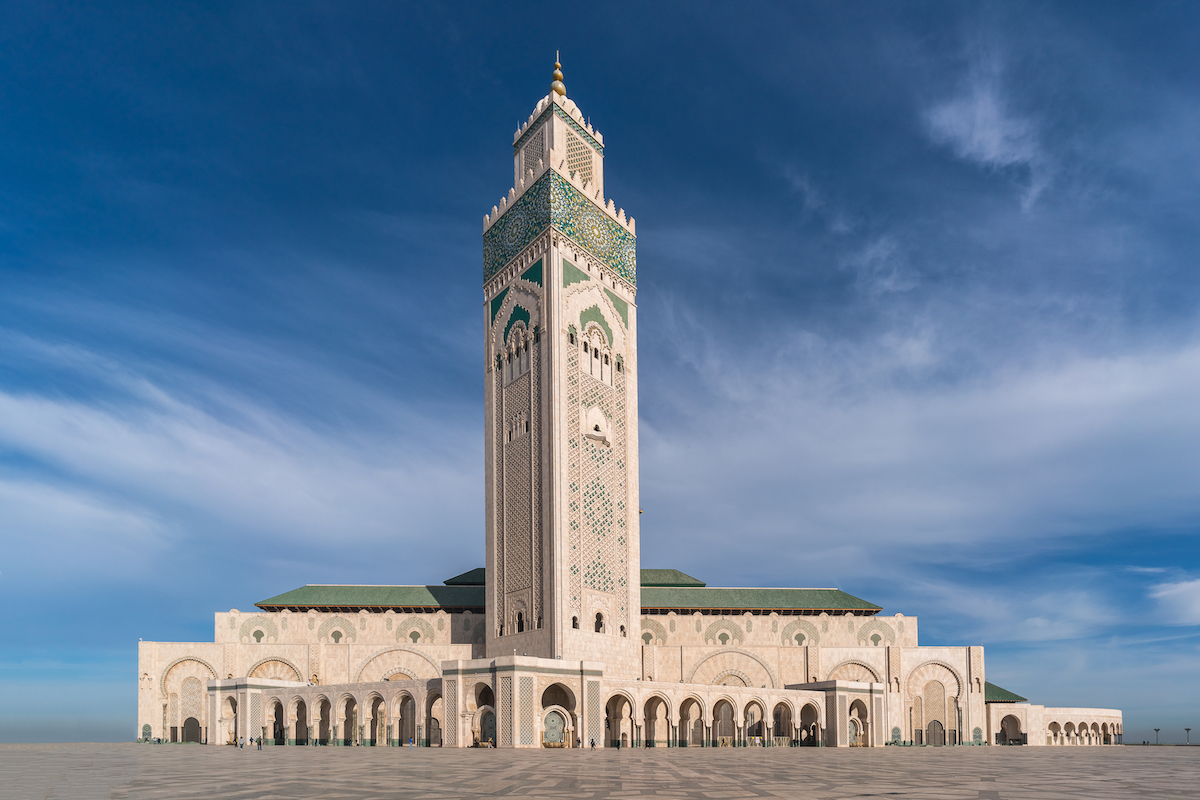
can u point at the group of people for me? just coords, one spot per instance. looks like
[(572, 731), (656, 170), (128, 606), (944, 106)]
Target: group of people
[(241, 743)]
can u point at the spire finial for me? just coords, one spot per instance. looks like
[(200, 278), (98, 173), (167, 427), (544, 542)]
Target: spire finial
[(557, 85)]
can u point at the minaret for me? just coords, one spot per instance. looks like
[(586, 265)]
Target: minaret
[(560, 363)]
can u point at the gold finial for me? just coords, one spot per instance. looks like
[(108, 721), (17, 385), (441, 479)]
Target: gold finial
[(557, 85)]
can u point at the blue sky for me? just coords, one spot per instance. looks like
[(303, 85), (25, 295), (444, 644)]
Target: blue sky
[(918, 304)]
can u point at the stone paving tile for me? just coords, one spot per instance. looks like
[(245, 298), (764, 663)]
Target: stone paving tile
[(189, 772)]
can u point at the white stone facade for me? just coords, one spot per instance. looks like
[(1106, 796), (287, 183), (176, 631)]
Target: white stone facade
[(558, 645)]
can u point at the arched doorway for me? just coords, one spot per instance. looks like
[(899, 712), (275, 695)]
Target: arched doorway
[(487, 729), (301, 728), (376, 734), (350, 722), (406, 721), (854, 733), (191, 730), (229, 720), (555, 730), (618, 721), (278, 725), (755, 725), (935, 734), (323, 725), (1010, 731), (810, 728), (691, 724), (656, 724), (858, 713), (723, 730), (559, 696), (433, 724), (782, 728)]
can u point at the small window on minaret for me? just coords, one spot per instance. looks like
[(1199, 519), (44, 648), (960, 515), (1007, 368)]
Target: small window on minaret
[(571, 338), (520, 622), (575, 623), (599, 623), (585, 347)]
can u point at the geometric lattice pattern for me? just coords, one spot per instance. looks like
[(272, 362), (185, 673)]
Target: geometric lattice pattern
[(596, 489), (192, 696), (534, 150), (450, 730), (255, 723), (595, 732), (506, 712), (526, 711), (579, 158)]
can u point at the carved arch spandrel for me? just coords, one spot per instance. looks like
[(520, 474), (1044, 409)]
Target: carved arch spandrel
[(854, 671), (408, 660), (934, 671), (734, 659)]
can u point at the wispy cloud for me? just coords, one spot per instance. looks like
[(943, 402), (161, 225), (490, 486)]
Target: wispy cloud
[(1179, 601), (980, 126)]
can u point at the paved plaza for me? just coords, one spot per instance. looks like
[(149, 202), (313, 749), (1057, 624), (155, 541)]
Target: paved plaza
[(183, 772)]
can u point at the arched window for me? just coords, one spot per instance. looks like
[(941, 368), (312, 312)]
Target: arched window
[(415, 636), (520, 622), (336, 636), (258, 636), (647, 637), (575, 623), (622, 631), (599, 622)]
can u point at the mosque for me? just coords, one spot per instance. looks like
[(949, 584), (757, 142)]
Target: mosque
[(561, 639)]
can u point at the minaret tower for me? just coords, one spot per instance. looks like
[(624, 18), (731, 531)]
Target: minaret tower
[(560, 367)]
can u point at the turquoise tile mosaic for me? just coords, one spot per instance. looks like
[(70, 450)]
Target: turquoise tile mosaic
[(553, 200)]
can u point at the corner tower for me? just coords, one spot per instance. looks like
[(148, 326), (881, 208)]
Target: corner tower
[(560, 363)]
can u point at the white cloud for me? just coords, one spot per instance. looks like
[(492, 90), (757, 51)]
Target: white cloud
[(833, 446), (1179, 601), (126, 479), (979, 126)]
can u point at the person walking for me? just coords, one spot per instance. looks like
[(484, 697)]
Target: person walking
[(593, 744)]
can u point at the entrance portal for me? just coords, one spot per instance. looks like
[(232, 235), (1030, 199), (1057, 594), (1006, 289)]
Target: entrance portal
[(191, 730), (487, 728), (935, 734), (555, 730)]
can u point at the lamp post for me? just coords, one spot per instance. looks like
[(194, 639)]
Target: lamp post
[(1156, 735), (1189, 735)]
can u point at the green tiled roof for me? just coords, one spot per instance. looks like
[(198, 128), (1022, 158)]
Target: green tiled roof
[(355, 597), (711, 597), (994, 694), (662, 590), (472, 577), (668, 577)]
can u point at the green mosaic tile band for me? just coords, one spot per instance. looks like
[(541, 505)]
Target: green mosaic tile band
[(553, 200)]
